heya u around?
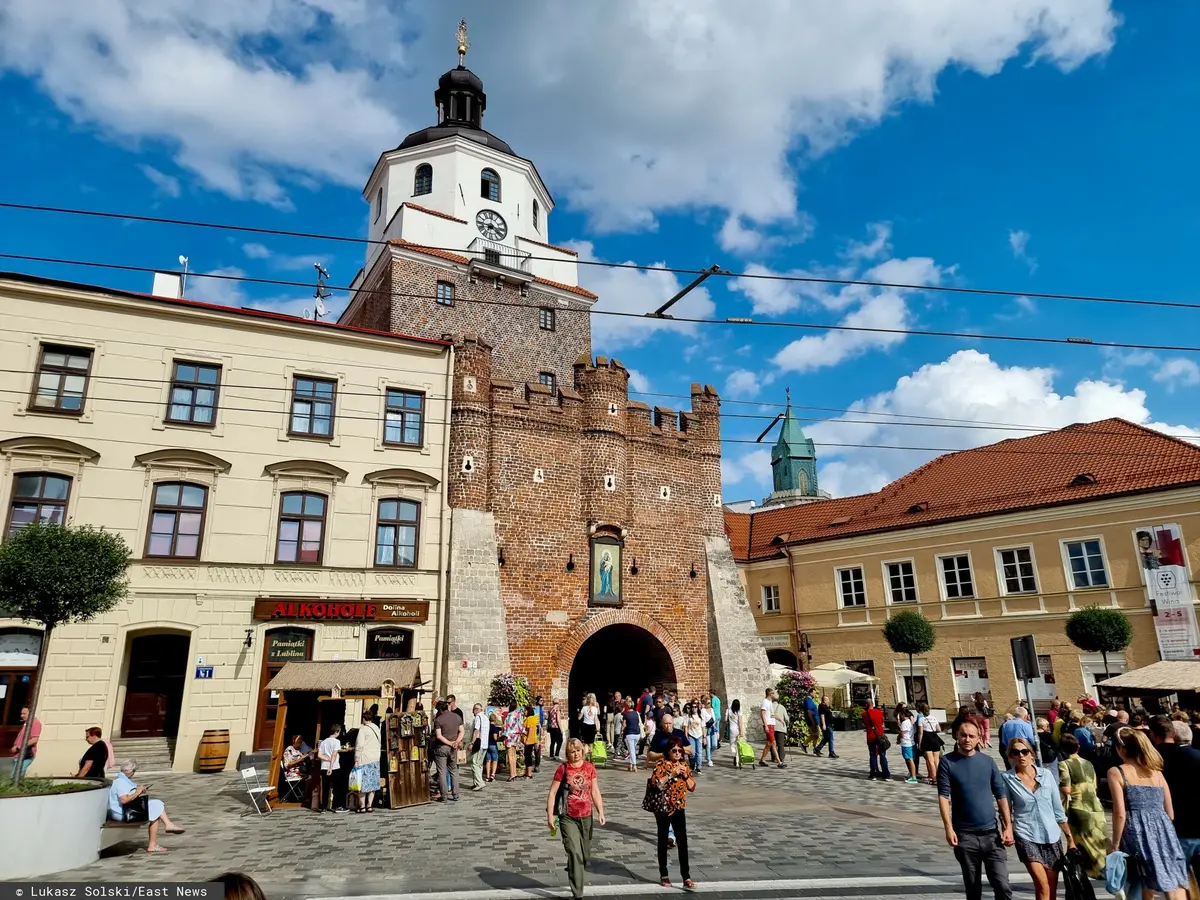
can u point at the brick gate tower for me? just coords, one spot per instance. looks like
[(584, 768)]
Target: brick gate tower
[(588, 550)]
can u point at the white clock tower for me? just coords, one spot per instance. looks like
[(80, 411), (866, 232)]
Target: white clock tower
[(456, 187)]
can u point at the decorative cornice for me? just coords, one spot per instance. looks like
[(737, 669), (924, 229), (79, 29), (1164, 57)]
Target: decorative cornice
[(36, 445), (310, 468), (183, 458), (400, 476)]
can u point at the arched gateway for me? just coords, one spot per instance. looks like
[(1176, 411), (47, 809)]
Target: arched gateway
[(617, 650)]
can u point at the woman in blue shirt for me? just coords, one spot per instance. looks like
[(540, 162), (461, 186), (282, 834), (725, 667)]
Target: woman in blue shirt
[(1039, 822), (125, 791)]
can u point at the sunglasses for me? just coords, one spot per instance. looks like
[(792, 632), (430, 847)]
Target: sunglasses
[(1020, 751)]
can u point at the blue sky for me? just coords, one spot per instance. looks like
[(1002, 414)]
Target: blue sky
[(1030, 145)]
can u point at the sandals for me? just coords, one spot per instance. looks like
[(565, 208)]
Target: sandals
[(511, 778), (174, 831), (156, 850)]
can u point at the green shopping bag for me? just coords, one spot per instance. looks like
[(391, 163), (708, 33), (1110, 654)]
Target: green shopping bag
[(599, 753), (745, 752)]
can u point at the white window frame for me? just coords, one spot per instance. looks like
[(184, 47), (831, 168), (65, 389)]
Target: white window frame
[(770, 592), (1069, 573), (1002, 583), (837, 575), (887, 582), (960, 602)]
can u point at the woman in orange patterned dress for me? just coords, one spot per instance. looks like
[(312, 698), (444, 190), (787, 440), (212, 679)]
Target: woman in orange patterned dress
[(670, 784)]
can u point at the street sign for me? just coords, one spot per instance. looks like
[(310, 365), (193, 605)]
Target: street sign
[(204, 671), (1025, 659)]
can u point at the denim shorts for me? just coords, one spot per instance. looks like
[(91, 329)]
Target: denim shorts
[(907, 752), (493, 753)]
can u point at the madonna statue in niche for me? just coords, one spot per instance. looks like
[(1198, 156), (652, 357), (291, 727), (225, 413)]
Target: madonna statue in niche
[(606, 572)]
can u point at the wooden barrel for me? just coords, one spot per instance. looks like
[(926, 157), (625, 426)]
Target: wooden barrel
[(214, 751)]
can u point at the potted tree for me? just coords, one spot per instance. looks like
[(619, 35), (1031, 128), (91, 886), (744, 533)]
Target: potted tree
[(55, 575), (1095, 629), (910, 633)]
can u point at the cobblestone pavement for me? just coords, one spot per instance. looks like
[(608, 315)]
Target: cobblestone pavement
[(817, 818)]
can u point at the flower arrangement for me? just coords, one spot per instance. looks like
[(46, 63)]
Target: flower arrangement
[(507, 688), (791, 689)]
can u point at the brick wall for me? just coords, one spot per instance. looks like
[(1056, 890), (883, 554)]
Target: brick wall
[(502, 317), (576, 438)]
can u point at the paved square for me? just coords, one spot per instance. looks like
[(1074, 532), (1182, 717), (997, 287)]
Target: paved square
[(817, 818)]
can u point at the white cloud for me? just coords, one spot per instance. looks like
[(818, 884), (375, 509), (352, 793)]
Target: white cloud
[(639, 382), (968, 387), (752, 466), (637, 291), (738, 238), (634, 109), (166, 184), (1018, 242), (255, 251), (816, 351), (221, 287), (1178, 372), (743, 384)]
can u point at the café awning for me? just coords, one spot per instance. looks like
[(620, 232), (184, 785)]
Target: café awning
[(836, 675), (352, 676), (1169, 676)]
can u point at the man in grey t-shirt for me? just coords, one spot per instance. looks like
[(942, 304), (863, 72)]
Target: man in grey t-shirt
[(970, 790)]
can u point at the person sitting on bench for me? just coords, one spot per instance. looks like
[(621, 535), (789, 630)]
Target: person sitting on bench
[(127, 802)]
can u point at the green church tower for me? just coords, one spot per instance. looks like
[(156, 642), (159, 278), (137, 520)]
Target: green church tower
[(794, 459)]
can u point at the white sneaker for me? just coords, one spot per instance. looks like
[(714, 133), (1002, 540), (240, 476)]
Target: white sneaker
[(711, 763)]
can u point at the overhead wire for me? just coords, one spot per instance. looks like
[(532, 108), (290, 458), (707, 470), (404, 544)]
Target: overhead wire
[(746, 322), (765, 276)]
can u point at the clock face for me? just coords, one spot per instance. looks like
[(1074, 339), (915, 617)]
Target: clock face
[(491, 225)]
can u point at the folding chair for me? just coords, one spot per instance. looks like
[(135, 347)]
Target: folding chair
[(256, 789), (291, 786)]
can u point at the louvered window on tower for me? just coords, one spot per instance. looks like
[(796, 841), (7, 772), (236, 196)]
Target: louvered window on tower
[(489, 185)]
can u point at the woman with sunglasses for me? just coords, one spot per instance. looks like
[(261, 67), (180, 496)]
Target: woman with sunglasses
[(670, 783), (1039, 822)]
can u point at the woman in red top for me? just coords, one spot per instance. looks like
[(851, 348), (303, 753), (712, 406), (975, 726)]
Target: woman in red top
[(582, 798), (873, 726)]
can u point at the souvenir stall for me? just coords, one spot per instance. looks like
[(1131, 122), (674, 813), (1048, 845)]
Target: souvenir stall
[(315, 695)]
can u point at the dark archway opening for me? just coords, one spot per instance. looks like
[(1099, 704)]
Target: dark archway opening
[(783, 658), (622, 658)]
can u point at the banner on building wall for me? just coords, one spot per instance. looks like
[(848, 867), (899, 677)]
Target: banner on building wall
[(1164, 570)]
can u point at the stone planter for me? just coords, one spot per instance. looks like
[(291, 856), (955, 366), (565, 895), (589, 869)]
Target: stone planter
[(44, 833)]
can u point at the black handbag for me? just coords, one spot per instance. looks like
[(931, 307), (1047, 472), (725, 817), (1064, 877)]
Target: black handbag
[(1076, 883), (137, 809), (562, 795)]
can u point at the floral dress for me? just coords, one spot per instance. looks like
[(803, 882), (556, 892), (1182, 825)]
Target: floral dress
[(1085, 814), (514, 728)]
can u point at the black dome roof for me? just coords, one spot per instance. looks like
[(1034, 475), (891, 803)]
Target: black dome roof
[(460, 102), (455, 129)]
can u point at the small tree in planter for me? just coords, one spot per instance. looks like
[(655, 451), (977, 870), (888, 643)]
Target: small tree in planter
[(792, 688), (56, 575), (1094, 629), (911, 633), (508, 689)]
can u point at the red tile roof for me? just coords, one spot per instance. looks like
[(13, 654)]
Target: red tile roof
[(1020, 473), (431, 251), (574, 289), (550, 246), (434, 212), (247, 312)]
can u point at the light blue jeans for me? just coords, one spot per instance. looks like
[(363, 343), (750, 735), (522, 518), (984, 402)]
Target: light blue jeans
[(1191, 854), (23, 765), (697, 762)]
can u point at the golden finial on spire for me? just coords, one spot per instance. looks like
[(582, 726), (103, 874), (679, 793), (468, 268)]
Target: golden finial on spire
[(463, 44)]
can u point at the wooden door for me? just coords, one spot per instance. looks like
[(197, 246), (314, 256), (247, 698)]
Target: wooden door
[(154, 685), (281, 646)]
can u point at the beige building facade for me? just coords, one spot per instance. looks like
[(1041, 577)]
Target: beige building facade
[(999, 564), (278, 480)]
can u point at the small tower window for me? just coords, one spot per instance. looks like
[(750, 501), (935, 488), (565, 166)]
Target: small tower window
[(536, 215), (489, 185), (547, 379), (378, 203), (445, 293), (423, 181), (546, 318)]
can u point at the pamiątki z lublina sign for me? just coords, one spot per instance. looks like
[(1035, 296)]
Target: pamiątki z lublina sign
[(415, 611)]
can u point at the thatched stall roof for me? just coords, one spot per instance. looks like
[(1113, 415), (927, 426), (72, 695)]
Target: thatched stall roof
[(353, 676), (1170, 676)]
